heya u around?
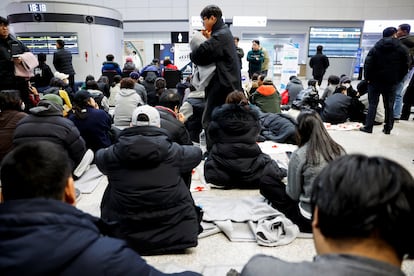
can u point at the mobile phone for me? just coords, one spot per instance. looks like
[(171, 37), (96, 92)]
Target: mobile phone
[(15, 50)]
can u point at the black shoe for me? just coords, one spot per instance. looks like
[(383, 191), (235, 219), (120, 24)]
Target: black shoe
[(386, 131), (377, 123), (364, 129)]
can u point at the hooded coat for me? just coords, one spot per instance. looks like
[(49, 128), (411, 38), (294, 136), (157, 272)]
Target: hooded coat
[(46, 122), (126, 101), (235, 159), (48, 237), (294, 87), (146, 194), (267, 98)]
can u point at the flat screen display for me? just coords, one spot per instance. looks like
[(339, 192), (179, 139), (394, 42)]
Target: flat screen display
[(46, 42), (336, 41)]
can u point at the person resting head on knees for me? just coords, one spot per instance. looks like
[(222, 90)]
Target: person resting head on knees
[(37, 218), (363, 221)]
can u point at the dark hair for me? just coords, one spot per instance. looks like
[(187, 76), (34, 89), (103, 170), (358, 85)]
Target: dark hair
[(256, 41), (92, 84), (41, 57), (169, 98), (116, 79), (61, 43), (89, 77), (127, 83), (340, 89), (358, 196), (211, 10), (255, 76), (56, 82), (79, 107), (167, 61), (10, 100), (389, 32), (236, 97), (311, 131), (333, 79), (319, 48), (362, 87), (110, 57), (405, 27), (35, 169), (312, 82), (239, 98), (4, 21), (160, 85)]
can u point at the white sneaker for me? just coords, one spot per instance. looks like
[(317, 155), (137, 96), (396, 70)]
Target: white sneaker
[(84, 164)]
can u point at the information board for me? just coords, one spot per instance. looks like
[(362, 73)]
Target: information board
[(46, 42)]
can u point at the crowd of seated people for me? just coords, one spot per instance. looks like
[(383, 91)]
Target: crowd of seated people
[(141, 136)]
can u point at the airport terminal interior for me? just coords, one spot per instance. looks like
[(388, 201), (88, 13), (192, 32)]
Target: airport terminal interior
[(163, 28)]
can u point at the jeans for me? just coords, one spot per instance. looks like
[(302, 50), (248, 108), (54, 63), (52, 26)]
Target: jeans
[(388, 94), (398, 100)]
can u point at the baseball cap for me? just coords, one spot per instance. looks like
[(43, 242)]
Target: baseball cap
[(146, 115)]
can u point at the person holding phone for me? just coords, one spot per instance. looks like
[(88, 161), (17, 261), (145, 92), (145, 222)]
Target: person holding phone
[(10, 49)]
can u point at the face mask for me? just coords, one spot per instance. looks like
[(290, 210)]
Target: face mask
[(22, 106), (347, 85)]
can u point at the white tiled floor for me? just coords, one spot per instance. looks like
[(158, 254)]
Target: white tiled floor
[(215, 254)]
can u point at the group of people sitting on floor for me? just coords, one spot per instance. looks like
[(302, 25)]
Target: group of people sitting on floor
[(147, 149)]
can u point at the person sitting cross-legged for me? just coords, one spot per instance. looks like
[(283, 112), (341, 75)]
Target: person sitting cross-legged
[(146, 194), (41, 231)]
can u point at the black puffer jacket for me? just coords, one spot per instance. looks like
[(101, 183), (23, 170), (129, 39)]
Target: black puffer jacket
[(64, 240), (46, 122), (146, 194), (62, 60), (280, 128), (235, 159), (387, 62)]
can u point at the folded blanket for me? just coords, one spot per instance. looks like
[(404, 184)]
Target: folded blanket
[(25, 68), (248, 219)]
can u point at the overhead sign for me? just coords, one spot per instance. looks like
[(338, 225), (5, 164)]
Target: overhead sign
[(179, 37)]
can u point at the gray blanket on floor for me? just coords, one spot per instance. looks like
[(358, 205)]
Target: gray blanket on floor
[(248, 219)]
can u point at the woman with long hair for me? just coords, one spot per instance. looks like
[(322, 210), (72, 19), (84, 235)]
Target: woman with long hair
[(316, 150)]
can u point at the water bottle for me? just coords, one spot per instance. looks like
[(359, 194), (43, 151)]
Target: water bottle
[(203, 144)]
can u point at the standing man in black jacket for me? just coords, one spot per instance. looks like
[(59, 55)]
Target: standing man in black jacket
[(319, 63), (62, 60), (9, 47), (385, 67), (218, 49)]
